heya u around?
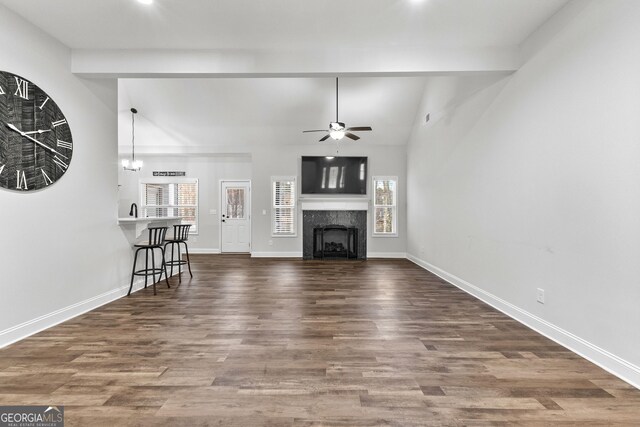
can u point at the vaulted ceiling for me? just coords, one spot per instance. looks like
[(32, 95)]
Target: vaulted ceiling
[(233, 24), (315, 41)]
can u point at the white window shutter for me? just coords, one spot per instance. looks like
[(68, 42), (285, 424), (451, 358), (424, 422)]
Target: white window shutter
[(284, 206)]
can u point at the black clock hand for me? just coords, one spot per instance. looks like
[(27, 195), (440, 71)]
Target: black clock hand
[(15, 129), (39, 131)]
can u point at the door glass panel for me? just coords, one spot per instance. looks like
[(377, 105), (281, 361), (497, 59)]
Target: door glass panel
[(235, 203)]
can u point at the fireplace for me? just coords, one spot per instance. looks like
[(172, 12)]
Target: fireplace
[(334, 234), (335, 241)]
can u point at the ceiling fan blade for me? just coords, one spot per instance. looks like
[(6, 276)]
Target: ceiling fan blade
[(324, 138), (352, 136), (359, 128), (315, 130)]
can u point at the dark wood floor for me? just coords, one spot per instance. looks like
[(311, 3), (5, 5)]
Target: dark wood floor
[(252, 342)]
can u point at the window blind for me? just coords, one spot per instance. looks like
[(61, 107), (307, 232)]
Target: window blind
[(284, 206), (171, 199), (385, 206)]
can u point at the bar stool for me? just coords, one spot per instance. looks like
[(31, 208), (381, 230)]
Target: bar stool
[(155, 241), (180, 236)]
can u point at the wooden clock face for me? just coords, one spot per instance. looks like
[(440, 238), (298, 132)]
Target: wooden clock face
[(35, 138)]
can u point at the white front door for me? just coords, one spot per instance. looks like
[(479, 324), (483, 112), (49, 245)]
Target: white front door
[(235, 218)]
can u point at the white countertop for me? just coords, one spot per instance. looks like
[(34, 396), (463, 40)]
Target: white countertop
[(134, 227), (130, 219)]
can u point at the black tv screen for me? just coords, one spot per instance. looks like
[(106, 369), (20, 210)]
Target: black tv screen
[(334, 175)]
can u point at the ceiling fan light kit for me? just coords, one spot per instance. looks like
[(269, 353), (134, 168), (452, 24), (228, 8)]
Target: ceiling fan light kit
[(338, 130)]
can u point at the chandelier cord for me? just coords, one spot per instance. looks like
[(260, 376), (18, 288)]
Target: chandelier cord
[(133, 136)]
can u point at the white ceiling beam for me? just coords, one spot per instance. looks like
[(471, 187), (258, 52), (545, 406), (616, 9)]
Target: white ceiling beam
[(292, 63)]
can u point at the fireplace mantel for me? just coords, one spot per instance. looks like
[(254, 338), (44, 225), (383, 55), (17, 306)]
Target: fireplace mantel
[(334, 204)]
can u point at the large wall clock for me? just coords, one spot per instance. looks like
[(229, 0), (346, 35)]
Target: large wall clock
[(35, 138)]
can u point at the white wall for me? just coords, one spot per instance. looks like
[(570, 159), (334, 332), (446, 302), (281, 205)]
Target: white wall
[(61, 246), (533, 182), (209, 170)]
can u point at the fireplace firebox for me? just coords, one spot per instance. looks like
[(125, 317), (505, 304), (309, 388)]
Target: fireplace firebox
[(335, 241), (334, 234)]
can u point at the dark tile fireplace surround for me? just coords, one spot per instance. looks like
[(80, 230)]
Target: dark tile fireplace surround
[(341, 233)]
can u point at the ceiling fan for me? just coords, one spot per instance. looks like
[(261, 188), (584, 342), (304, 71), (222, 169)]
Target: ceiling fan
[(337, 130)]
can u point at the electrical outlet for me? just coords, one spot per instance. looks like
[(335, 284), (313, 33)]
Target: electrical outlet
[(264, 211), (213, 212), (540, 297), (270, 242)]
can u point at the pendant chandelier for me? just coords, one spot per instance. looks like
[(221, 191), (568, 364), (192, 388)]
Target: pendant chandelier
[(133, 164)]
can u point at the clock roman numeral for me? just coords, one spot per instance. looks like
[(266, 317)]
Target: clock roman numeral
[(21, 180), (65, 144), (58, 123), (60, 163), (23, 88), (45, 101), (46, 178)]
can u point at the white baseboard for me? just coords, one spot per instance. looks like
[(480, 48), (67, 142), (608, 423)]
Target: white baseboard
[(400, 255), (276, 254), (193, 251), (31, 327), (611, 363)]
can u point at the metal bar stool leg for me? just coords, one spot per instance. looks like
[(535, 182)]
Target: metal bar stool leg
[(146, 265), (172, 245), (164, 265), (133, 271), (171, 262), (179, 262), (153, 270), (188, 259)]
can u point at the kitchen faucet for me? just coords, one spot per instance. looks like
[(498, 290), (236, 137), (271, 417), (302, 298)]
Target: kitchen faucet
[(134, 210)]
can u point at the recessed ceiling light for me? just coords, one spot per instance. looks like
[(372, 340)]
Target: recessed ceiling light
[(145, 1)]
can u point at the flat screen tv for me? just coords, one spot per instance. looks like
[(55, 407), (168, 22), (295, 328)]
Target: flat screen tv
[(334, 175)]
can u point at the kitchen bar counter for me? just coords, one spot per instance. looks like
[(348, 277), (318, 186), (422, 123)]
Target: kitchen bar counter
[(135, 227)]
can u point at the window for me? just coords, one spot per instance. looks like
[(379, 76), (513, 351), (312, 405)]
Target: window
[(171, 197), (284, 206), (385, 206)]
